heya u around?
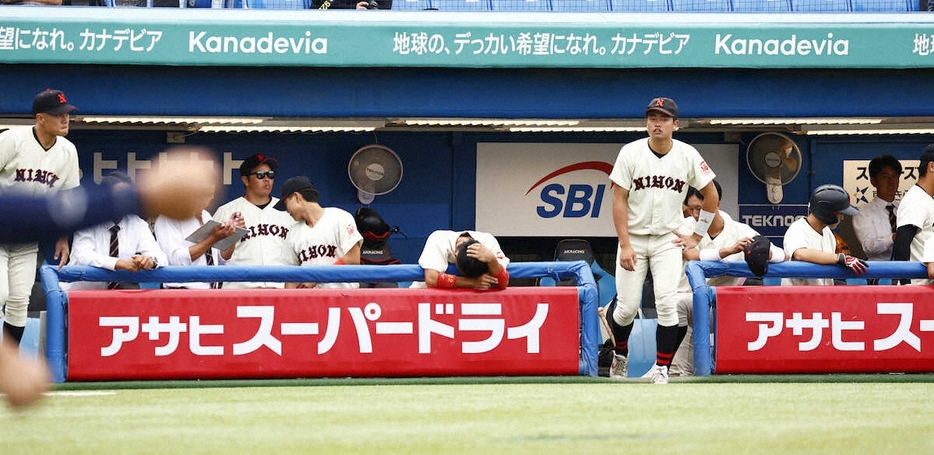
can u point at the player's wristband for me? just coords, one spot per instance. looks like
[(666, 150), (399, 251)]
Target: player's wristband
[(710, 254), (446, 281), (502, 278), (703, 223), (340, 262)]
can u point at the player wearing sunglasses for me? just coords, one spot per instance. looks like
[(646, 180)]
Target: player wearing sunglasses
[(265, 243)]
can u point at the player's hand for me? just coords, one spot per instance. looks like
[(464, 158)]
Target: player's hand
[(481, 253), (686, 241), (222, 231), (62, 251), (236, 220), (484, 282), (22, 380), (307, 285), (857, 265), (627, 258), (144, 262), (126, 264), (740, 245)]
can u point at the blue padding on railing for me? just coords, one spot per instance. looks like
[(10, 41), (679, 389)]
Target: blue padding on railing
[(56, 299), (704, 296)]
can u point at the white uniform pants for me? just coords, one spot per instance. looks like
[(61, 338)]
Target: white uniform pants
[(17, 276), (657, 255)]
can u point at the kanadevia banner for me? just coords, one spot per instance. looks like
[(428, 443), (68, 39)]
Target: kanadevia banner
[(526, 189)]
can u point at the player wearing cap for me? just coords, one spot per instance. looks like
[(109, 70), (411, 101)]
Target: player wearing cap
[(322, 235), (650, 179), (34, 161), (915, 216), (477, 256), (726, 240), (264, 243), (811, 239)]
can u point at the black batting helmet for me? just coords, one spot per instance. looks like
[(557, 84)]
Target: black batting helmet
[(829, 200)]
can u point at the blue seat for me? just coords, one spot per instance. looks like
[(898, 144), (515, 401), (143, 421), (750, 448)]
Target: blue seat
[(588, 6), (761, 6), (640, 5), (277, 4), (410, 5), (884, 6), (820, 6), (701, 5), (520, 5), (461, 5)]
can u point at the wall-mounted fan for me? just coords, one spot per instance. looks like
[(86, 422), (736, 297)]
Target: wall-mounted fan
[(775, 160), (374, 170)]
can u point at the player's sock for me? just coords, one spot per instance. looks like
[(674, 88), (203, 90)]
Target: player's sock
[(682, 332), (15, 333), (666, 338), (620, 333)]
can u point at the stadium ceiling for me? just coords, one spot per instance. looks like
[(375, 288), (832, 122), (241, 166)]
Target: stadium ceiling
[(813, 126)]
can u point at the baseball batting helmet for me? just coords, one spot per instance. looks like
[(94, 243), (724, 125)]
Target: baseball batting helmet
[(829, 200)]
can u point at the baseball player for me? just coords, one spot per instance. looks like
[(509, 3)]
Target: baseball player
[(915, 215), (322, 235), (873, 225), (726, 240), (265, 243), (650, 179), (811, 239), (477, 255), (34, 160)]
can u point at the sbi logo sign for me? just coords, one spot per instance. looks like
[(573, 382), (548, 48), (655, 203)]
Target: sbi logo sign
[(575, 200)]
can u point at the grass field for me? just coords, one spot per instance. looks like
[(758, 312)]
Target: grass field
[(743, 415)]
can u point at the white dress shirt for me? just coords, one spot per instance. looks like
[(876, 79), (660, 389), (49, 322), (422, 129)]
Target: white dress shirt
[(872, 228), (91, 246), (171, 235)]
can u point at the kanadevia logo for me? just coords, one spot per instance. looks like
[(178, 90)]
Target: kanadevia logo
[(575, 201)]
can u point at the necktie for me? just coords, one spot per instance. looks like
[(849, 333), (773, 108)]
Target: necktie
[(114, 250), (209, 254), (891, 209)]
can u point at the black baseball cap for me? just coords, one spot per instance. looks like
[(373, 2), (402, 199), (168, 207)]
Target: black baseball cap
[(252, 161), (299, 185), (51, 102), (756, 255), (666, 106), (926, 156)]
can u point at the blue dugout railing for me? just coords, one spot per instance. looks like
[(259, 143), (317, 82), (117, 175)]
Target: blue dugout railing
[(57, 302), (705, 296)]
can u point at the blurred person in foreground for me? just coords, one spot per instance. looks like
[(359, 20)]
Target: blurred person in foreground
[(174, 189)]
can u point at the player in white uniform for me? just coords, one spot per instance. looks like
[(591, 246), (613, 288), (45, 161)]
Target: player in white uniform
[(265, 243), (650, 179), (725, 241), (478, 256), (811, 239), (915, 219), (34, 160), (322, 235)]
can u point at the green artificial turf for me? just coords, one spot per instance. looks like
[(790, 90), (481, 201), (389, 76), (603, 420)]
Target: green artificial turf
[(484, 417)]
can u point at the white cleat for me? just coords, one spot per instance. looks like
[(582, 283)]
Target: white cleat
[(658, 374)]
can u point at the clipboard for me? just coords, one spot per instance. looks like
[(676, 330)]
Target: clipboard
[(205, 230)]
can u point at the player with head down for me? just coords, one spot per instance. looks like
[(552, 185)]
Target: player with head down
[(650, 179), (477, 255)]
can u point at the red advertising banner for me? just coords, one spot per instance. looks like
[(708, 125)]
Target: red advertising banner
[(212, 334), (824, 329)]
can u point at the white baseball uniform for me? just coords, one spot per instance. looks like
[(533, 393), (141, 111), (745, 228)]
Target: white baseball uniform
[(265, 242), (171, 235), (328, 240), (657, 186), (801, 235), (917, 209), (683, 361), (439, 251), (29, 169)]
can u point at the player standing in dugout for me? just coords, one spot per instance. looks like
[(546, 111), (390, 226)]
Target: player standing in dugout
[(650, 179)]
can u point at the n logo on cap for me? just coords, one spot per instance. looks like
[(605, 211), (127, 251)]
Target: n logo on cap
[(61, 98), (659, 102)]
